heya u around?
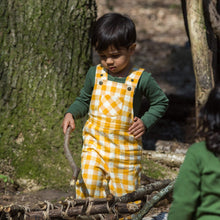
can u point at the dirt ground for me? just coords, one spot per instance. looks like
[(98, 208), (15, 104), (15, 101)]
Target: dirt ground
[(163, 50)]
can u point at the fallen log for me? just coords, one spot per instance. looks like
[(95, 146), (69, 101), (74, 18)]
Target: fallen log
[(169, 159), (171, 147), (84, 207)]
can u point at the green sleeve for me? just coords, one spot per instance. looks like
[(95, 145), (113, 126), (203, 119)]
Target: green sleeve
[(186, 190), (158, 102), (80, 106)]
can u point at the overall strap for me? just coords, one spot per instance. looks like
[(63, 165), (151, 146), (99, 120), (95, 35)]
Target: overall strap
[(133, 78), (101, 73)]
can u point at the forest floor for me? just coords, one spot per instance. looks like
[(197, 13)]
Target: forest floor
[(163, 50)]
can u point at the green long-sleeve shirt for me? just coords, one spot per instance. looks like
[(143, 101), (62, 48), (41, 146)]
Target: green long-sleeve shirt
[(197, 189), (147, 87)]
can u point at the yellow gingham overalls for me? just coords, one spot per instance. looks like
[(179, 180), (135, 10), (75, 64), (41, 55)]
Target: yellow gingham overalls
[(109, 151)]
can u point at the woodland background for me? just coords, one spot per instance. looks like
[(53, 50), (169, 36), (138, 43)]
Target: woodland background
[(29, 174)]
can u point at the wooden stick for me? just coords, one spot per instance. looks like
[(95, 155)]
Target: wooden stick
[(85, 207), (68, 154), (141, 192), (148, 205), (69, 157)]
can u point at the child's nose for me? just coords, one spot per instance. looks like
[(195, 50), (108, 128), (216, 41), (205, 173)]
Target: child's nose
[(109, 60)]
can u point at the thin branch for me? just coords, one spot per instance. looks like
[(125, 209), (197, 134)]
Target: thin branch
[(148, 205)]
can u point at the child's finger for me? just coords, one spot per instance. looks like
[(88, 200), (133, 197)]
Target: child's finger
[(138, 135), (65, 125), (132, 127), (137, 129), (135, 119), (138, 132), (72, 125)]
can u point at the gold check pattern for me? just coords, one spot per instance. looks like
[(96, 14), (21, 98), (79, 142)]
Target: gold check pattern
[(109, 151)]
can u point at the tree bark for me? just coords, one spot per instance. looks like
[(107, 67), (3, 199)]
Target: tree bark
[(214, 17), (202, 54), (45, 54)]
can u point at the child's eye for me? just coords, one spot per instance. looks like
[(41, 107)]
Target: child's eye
[(116, 55), (102, 57)]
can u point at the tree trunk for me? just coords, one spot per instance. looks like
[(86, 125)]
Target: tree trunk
[(45, 54), (202, 52), (213, 8)]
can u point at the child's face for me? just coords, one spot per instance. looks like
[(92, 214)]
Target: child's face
[(117, 61)]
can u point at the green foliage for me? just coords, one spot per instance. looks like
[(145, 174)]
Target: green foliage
[(6, 179), (153, 169), (174, 6)]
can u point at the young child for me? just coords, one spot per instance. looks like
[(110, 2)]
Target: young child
[(112, 95), (197, 189)]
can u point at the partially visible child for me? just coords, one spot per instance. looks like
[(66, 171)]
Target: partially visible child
[(197, 189), (112, 94)]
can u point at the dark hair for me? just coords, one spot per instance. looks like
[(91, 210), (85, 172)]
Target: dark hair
[(210, 117), (113, 29)]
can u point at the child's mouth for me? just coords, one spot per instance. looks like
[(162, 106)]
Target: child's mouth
[(112, 68)]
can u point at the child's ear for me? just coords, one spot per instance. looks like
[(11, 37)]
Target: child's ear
[(132, 48)]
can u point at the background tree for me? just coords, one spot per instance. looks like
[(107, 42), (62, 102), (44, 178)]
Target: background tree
[(45, 54), (202, 26)]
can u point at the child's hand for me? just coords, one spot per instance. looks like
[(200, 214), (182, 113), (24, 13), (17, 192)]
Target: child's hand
[(137, 128), (68, 121)]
